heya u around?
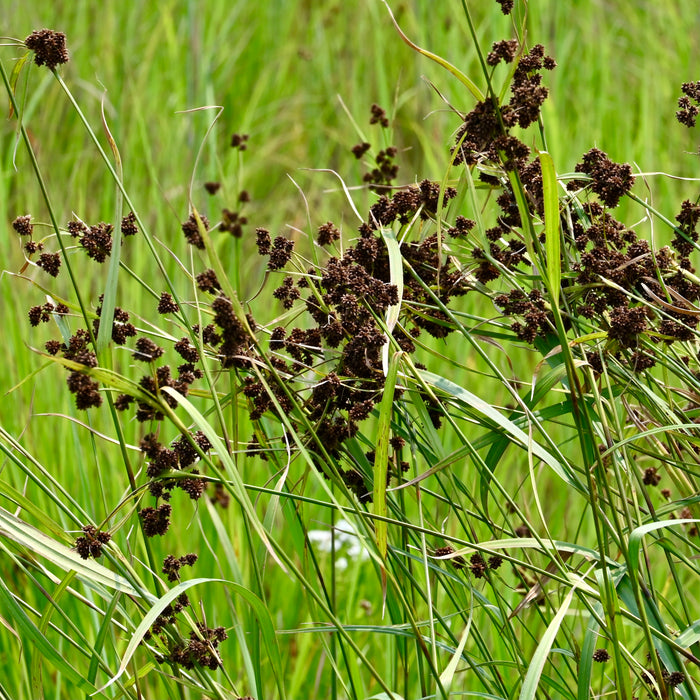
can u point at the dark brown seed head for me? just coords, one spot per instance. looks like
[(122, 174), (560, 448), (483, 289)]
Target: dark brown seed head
[(601, 655), (23, 225), (49, 47)]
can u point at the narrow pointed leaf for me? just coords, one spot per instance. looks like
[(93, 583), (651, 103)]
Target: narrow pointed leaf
[(551, 225)]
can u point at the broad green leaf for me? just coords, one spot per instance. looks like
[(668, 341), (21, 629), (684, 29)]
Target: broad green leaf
[(447, 676), (396, 278), (514, 433), (536, 665), (690, 635), (636, 535), (381, 455), (551, 226), (88, 570), (30, 508)]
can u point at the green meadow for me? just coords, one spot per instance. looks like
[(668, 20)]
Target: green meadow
[(491, 523)]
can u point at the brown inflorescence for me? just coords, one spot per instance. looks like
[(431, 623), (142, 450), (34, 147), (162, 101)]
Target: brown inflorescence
[(147, 350), (232, 222), (239, 141), (172, 565), (457, 562), (155, 521), (91, 542), (378, 116), (360, 149), (280, 253), (687, 111), (505, 50), (50, 263), (610, 181), (327, 234), (200, 650), (166, 304), (191, 230), (23, 225), (128, 225), (49, 47), (506, 6), (601, 656)]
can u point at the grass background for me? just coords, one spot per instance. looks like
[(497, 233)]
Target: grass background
[(278, 68)]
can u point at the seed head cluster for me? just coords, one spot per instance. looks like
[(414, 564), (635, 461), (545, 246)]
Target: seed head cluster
[(90, 543), (689, 104), (49, 47), (173, 564)]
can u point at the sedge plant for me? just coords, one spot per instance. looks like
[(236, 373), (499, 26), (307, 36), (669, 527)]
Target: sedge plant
[(487, 383)]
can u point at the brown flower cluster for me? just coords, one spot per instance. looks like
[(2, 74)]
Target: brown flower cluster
[(166, 304), (343, 298), (91, 542), (23, 225), (385, 171), (42, 314), (173, 564), (608, 252), (478, 566), (232, 222), (200, 650), (86, 391), (600, 656), (531, 308), (484, 137), (506, 6), (505, 51), (191, 230), (50, 263), (49, 47), (239, 141), (155, 521), (610, 181), (378, 116), (180, 456), (689, 104)]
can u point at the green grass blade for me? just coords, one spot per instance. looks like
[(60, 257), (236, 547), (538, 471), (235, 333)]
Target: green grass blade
[(30, 633), (585, 668), (88, 570), (690, 635), (514, 433), (396, 278), (551, 225), (14, 77), (539, 658), (104, 334), (262, 613), (381, 457), (467, 82), (638, 533)]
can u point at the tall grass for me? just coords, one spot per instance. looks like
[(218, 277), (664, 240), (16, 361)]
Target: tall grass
[(494, 526)]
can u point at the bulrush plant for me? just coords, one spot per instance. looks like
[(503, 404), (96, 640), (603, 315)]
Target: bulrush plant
[(528, 534)]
